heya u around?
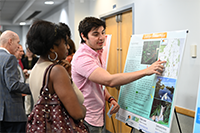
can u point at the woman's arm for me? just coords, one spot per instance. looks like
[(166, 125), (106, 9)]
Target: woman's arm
[(59, 79)]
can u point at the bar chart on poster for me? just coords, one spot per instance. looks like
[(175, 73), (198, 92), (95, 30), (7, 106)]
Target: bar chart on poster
[(147, 104)]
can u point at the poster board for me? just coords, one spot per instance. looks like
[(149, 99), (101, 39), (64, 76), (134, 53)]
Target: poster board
[(147, 104), (196, 126)]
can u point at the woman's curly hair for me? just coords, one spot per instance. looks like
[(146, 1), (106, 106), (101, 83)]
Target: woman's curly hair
[(42, 35)]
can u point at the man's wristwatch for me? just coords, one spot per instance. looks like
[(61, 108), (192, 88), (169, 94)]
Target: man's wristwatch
[(110, 99)]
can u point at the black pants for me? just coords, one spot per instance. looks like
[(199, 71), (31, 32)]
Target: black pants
[(12, 127)]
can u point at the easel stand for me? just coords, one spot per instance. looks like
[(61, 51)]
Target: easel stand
[(177, 120), (133, 129)]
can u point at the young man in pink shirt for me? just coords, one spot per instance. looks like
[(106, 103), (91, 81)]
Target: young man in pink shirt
[(89, 73)]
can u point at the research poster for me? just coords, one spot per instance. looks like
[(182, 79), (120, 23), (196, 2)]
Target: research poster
[(147, 104), (196, 127)]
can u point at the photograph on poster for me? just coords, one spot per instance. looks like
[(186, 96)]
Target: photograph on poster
[(165, 88), (150, 52), (160, 111)]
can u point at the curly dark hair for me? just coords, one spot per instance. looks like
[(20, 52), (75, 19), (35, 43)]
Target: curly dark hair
[(42, 35), (87, 24), (66, 28)]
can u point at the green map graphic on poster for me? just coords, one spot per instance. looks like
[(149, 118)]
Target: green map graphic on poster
[(170, 52)]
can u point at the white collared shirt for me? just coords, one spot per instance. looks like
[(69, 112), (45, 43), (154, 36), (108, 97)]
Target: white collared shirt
[(5, 49)]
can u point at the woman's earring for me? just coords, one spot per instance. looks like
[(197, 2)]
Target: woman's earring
[(54, 58)]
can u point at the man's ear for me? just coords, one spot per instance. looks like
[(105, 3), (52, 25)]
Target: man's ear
[(10, 41), (84, 38)]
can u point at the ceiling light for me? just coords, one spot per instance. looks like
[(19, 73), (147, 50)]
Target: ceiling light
[(49, 2), (22, 23)]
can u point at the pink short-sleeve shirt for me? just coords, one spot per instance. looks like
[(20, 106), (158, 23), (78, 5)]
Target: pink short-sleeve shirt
[(84, 62)]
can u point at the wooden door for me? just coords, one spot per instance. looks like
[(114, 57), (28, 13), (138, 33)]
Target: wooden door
[(121, 34)]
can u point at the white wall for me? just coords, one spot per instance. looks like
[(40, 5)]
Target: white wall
[(81, 10), (23, 39), (167, 15), (99, 7), (71, 15)]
